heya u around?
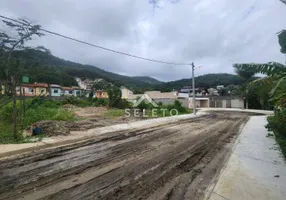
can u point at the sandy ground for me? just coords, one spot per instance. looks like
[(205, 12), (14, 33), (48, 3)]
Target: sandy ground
[(174, 161)]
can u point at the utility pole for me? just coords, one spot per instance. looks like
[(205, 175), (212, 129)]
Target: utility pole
[(194, 92)]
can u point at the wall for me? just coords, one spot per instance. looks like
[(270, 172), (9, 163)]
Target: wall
[(76, 93), (125, 93), (26, 90), (226, 102), (67, 92), (53, 94), (200, 103), (38, 91)]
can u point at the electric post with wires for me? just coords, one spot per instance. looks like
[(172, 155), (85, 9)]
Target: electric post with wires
[(194, 89)]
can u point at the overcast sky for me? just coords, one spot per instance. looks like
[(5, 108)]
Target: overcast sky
[(212, 33)]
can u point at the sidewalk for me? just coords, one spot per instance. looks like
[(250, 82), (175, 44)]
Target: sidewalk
[(255, 170)]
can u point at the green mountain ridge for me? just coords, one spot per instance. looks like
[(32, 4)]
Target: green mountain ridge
[(147, 79), (205, 81), (44, 67)]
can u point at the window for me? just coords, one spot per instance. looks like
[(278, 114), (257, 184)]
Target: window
[(31, 90), (42, 91), (70, 92), (78, 92), (56, 91)]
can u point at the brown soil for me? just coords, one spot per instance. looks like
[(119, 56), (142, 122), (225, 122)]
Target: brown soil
[(174, 161), (93, 117)]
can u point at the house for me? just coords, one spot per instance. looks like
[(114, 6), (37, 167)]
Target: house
[(76, 91), (125, 92), (85, 84), (42, 89), (226, 102), (219, 87), (101, 94), (201, 102), (55, 90), (183, 93), (164, 97), (80, 83), (37, 89), (213, 92), (67, 91)]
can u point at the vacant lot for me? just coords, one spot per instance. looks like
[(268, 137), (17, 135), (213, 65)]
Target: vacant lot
[(174, 161)]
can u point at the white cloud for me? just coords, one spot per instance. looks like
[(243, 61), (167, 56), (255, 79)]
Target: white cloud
[(214, 34)]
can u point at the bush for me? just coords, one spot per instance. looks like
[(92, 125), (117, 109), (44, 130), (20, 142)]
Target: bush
[(277, 124), (123, 104), (178, 106), (114, 97), (101, 102)]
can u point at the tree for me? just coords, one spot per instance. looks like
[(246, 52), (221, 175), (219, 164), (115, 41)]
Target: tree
[(282, 40), (21, 31), (283, 1), (101, 85), (276, 73), (114, 96), (222, 92)]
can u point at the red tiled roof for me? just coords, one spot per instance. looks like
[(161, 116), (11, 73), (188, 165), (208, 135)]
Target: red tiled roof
[(43, 85)]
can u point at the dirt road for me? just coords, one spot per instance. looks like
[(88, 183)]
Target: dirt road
[(174, 161)]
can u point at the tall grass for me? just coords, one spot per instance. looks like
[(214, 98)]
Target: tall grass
[(36, 110)]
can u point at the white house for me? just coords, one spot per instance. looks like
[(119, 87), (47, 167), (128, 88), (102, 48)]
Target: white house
[(81, 83), (55, 90), (125, 92)]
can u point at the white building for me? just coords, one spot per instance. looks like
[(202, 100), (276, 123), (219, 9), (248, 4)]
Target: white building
[(81, 83), (125, 92)]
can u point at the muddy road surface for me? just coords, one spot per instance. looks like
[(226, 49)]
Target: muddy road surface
[(174, 161)]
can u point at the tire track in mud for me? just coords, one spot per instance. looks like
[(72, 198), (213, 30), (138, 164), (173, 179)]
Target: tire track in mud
[(159, 163)]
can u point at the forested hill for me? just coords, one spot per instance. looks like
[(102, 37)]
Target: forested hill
[(207, 80), (44, 67), (147, 79)]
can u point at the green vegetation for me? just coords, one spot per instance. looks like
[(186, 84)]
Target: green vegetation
[(36, 110), (84, 102), (147, 79), (271, 90), (41, 66), (277, 124), (207, 80), (163, 110), (114, 113)]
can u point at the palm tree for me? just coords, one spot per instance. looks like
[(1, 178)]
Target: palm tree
[(276, 75)]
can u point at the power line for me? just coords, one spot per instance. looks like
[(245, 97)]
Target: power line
[(94, 45)]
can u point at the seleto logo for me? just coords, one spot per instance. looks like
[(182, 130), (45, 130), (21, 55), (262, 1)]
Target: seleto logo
[(153, 111)]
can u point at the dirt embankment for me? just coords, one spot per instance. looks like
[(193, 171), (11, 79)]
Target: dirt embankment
[(175, 161), (86, 118)]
